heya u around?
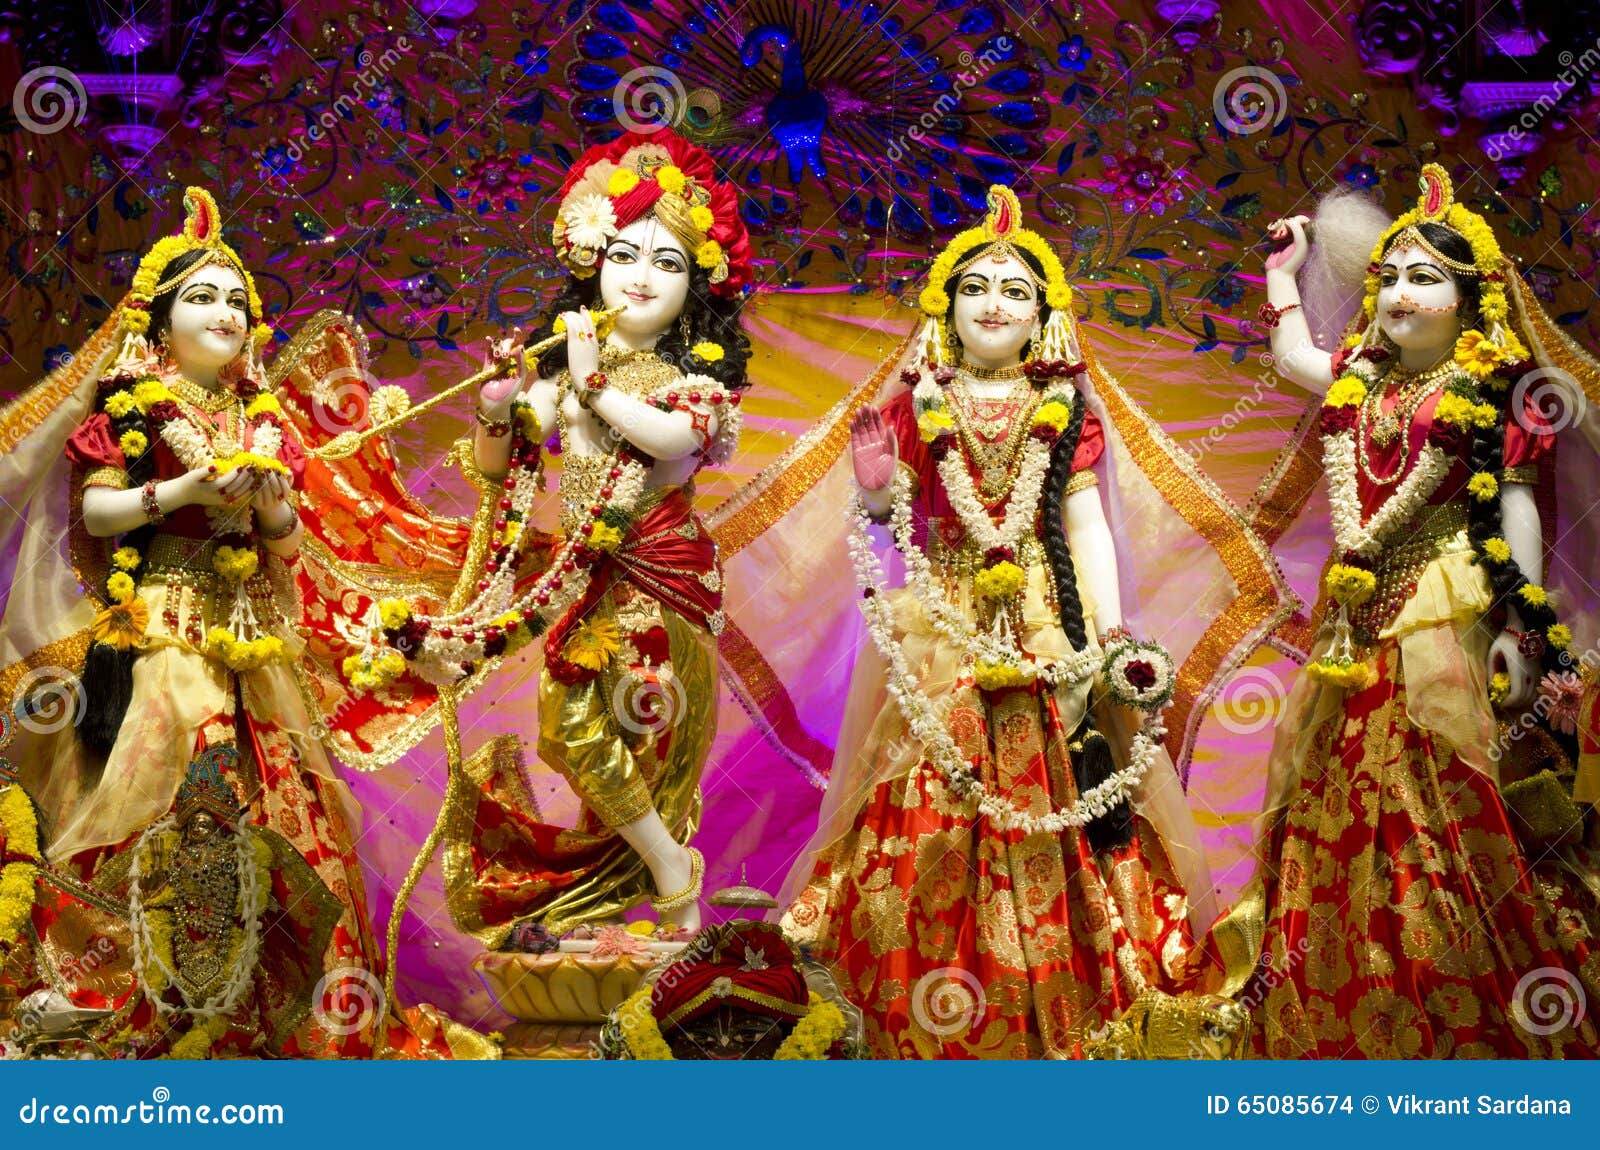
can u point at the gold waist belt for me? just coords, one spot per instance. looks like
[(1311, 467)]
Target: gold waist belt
[(1437, 530), (174, 553), (968, 559)]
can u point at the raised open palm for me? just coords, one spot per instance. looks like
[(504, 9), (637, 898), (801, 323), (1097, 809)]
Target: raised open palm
[(872, 449)]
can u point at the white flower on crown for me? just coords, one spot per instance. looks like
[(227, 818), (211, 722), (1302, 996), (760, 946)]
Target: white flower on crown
[(591, 222)]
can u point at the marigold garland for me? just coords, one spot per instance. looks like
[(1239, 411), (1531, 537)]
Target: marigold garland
[(19, 836), (811, 1039)]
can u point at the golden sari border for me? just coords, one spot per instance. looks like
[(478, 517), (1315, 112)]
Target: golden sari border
[(22, 416)]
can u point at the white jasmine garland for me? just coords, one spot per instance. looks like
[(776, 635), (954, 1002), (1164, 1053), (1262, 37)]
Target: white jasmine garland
[(1368, 539), (980, 646), (927, 724)]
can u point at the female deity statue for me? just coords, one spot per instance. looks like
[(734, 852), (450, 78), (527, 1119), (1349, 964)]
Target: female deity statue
[(190, 814), (642, 394), (1420, 890), (1005, 857)]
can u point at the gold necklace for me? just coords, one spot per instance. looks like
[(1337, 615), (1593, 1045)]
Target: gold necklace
[(208, 399), (1374, 425), (990, 374), (997, 461)]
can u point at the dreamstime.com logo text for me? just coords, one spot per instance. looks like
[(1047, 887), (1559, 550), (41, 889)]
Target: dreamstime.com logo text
[(159, 1110)]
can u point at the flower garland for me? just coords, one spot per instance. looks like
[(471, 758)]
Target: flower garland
[(998, 664), (813, 1036), (141, 407), (446, 646), (1479, 362), (996, 658), (154, 926), (19, 842)]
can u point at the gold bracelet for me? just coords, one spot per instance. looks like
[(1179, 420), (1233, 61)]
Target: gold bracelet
[(493, 428)]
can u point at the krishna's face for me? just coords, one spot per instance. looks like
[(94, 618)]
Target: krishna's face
[(993, 310), (646, 269)]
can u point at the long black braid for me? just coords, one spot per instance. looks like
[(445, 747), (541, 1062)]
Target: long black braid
[(1092, 762)]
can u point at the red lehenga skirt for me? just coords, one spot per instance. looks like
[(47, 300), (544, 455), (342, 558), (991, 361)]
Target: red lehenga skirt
[(959, 940), (1403, 919)]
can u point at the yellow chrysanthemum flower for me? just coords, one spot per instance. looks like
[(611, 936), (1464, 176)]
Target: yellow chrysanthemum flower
[(1054, 414), (1001, 581), (702, 217), (119, 403), (264, 402), (236, 564), (1499, 687), (932, 423), (672, 179), (120, 586), (605, 537), (1559, 635), (1347, 391), (149, 392), (1483, 486), (622, 181), (133, 444), (998, 676), (709, 254), (394, 613), (1497, 549), (1349, 585), (1533, 595), (126, 558), (708, 351), (933, 301)]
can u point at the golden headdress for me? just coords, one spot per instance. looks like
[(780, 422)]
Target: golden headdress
[(1001, 234), (202, 231), (1437, 205)]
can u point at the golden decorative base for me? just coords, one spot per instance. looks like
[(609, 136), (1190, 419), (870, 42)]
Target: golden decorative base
[(560, 999)]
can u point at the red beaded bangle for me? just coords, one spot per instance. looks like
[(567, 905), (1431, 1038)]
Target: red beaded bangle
[(1529, 643), (1271, 314), (152, 505)]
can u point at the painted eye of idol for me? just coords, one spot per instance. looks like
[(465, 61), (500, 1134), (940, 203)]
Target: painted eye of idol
[(201, 293), (664, 257), (1018, 288)]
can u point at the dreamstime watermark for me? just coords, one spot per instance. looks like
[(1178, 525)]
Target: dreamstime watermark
[(1556, 397), (48, 699), (650, 98), (1547, 1001), (1248, 100), (948, 1001), (349, 1000), (649, 701), (48, 100), (978, 67), (1250, 701), (371, 71), (1242, 407), (1513, 139)]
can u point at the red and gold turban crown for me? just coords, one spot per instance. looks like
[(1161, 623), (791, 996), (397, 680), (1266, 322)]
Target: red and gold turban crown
[(653, 173)]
